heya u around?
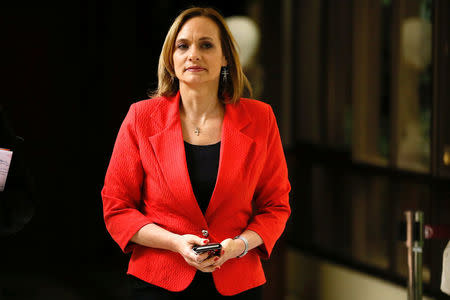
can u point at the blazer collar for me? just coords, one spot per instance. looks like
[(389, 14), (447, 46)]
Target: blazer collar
[(168, 146)]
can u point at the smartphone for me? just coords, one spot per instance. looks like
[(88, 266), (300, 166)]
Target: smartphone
[(211, 247)]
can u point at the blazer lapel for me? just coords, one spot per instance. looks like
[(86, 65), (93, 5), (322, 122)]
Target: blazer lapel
[(168, 146), (235, 146)]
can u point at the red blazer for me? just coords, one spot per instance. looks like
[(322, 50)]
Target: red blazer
[(147, 181)]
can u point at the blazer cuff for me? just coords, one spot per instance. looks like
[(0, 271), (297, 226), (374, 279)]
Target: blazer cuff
[(122, 227), (265, 249), (128, 245)]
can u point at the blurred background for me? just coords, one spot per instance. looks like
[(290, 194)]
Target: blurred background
[(360, 90)]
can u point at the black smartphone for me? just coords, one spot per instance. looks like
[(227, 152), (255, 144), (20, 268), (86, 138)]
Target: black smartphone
[(211, 247)]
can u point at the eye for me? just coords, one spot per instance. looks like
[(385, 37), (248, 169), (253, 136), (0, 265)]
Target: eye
[(182, 46), (207, 45)]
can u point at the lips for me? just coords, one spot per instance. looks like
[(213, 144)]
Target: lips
[(194, 69)]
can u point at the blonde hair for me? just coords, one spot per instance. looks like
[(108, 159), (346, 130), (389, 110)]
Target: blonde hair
[(229, 91)]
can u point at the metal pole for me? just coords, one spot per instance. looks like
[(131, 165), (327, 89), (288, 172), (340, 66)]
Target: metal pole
[(414, 244)]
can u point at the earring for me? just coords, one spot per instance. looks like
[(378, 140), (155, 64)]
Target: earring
[(224, 73)]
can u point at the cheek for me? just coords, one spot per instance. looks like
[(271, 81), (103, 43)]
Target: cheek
[(217, 65), (177, 64)]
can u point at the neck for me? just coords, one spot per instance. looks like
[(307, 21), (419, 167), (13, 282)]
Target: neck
[(199, 103)]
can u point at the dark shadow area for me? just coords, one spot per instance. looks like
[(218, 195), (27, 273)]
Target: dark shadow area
[(73, 69)]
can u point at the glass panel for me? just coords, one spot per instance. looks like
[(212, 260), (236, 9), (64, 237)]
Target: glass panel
[(370, 220), (350, 217), (414, 86), (322, 208), (307, 37), (247, 33), (338, 72), (370, 85), (354, 215), (331, 225), (385, 78)]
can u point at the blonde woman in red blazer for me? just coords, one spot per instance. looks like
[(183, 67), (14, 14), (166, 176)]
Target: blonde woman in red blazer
[(150, 208)]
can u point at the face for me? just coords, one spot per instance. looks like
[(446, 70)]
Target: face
[(198, 56)]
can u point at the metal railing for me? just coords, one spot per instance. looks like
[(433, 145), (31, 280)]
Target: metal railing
[(416, 233)]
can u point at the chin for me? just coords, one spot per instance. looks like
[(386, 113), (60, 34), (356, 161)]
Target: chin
[(196, 80), (193, 82), (199, 80)]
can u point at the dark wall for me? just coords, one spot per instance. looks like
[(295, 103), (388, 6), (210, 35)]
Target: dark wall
[(72, 70)]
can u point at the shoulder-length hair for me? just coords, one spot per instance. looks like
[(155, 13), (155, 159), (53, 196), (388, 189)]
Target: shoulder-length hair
[(229, 91)]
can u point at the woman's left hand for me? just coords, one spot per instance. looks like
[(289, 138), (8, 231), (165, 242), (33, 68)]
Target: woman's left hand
[(230, 249)]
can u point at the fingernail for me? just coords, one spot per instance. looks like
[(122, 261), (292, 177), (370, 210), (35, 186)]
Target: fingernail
[(216, 259), (223, 251), (217, 268), (205, 241)]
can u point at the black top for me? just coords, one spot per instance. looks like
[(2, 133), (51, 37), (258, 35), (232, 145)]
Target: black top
[(203, 165)]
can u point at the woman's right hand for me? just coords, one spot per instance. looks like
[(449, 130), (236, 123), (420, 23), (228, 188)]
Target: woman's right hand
[(199, 261)]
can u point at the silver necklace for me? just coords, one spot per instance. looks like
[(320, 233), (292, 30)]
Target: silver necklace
[(197, 130)]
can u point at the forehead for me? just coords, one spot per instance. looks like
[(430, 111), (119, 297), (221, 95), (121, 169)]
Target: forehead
[(199, 27)]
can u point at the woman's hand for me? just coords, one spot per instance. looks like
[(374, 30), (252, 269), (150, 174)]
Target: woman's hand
[(199, 261), (230, 249)]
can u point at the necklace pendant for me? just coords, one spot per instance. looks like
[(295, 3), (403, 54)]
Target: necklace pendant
[(197, 131)]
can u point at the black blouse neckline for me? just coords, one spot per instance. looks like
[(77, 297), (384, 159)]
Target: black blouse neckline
[(202, 146)]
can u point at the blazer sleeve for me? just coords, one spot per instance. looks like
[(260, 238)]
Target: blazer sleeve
[(271, 198), (121, 193)]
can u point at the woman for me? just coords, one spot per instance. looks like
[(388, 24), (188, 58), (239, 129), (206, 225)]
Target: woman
[(197, 164)]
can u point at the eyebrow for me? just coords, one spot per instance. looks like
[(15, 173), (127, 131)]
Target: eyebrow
[(200, 39)]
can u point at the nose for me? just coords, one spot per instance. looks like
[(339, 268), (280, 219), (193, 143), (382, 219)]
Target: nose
[(193, 54)]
